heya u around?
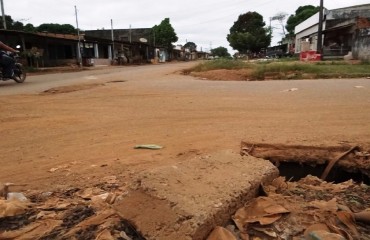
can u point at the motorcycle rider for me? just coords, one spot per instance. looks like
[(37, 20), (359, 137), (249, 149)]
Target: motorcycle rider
[(7, 62)]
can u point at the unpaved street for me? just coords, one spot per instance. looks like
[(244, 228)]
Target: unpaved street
[(75, 136)]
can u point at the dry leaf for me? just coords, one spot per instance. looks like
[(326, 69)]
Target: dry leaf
[(263, 210), (330, 206), (348, 219), (104, 235), (32, 231), (12, 208), (220, 233)]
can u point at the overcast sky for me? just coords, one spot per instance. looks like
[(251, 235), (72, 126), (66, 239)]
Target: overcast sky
[(206, 23)]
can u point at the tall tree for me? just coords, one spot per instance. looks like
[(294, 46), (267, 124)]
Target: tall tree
[(9, 23), (192, 46), (29, 28), (164, 34), (249, 34), (221, 52), (57, 28), (301, 14)]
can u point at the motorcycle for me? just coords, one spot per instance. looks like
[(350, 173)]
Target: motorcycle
[(19, 72)]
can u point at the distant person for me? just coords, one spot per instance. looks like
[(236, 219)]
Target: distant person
[(6, 62)]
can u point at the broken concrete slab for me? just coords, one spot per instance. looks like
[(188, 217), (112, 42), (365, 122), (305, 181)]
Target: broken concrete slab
[(189, 199), (353, 159)]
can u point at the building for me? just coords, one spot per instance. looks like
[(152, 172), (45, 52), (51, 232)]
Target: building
[(346, 31), (50, 49), (130, 45)]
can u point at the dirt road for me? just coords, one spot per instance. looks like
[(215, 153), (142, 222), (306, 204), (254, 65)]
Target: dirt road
[(75, 136)]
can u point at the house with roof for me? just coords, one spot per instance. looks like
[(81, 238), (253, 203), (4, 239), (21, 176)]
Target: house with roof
[(130, 45), (42, 49), (346, 32)]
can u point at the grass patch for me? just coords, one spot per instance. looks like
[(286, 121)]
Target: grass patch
[(308, 70), (290, 70), (223, 63)]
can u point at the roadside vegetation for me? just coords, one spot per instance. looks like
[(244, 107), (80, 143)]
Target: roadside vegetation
[(265, 70)]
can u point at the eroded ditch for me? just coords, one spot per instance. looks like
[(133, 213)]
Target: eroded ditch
[(322, 193), (331, 163)]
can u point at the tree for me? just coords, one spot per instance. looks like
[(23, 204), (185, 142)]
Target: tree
[(301, 14), (192, 46), (221, 52), (248, 34), (280, 17), (29, 28), (57, 28), (164, 34), (11, 24)]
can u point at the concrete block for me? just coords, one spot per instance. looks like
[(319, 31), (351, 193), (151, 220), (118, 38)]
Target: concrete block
[(188, 199)]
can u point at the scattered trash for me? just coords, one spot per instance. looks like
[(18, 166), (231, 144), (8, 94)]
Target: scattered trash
[(70, 214), (309, 209), (16, 196), (148, 146), (290, 90), (64, 167)]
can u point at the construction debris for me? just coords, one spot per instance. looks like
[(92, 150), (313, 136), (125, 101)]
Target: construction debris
[(309, 209), (72, 214)]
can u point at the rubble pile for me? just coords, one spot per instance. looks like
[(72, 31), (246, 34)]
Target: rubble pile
[(70, 214), (310, 209)]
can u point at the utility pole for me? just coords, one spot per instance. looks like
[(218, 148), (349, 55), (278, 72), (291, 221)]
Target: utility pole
[(111, 24), (130, 34), (79, 57), (319, 32), (3, 12)]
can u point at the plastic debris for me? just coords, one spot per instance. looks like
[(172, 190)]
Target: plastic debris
[(16, 196), (290, 90), (148, 146)]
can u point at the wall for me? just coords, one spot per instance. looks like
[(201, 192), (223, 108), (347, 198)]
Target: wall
[(125, 35), (308, 28), (349, 12), (361, 45), (312, 21), (100, 61)]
